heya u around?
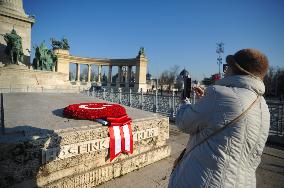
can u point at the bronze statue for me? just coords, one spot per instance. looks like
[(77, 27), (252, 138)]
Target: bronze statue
[(63, 44), (141, 51), (14, 47), (44, 58)]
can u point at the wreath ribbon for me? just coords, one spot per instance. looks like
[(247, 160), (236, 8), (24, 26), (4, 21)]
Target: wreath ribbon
[(121, 137), (120, 131)]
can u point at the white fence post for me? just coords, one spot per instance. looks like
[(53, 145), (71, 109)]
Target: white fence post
[(141, 99), (119, 96)]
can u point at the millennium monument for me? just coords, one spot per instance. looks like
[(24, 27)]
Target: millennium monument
[(40, 147), (50, 68)]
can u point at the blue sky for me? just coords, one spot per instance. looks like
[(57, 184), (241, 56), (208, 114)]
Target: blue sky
[(173, 32)]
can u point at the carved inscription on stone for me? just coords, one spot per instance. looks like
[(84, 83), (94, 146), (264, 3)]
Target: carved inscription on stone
[(66, 151)]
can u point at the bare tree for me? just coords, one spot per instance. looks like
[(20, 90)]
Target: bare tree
[(168, 77), (274, 82), (84, 74)]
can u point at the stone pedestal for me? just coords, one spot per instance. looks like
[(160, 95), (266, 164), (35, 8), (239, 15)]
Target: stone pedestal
[(18, 78), (141, 70), (53, 151)]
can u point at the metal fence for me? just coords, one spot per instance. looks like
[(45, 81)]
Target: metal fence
[(276, 109), (168, 105)]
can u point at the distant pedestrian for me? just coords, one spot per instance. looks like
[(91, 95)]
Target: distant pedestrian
[(228, 127)]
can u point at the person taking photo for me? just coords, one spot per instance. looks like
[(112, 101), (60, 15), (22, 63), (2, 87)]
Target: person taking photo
[(228, 127)]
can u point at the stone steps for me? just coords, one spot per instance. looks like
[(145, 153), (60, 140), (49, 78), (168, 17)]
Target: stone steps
[(15, 78)]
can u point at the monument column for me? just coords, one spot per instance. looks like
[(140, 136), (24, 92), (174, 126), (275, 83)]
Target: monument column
[(109, 75), (15, 5), (141, 70), (78, 72), (119, 76), (89, 72), (99, 74), (128, 77)]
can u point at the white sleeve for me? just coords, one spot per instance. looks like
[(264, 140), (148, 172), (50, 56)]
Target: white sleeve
[(191, 118)]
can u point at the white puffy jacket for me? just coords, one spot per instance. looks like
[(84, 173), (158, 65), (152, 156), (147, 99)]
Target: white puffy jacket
[(230, 158)]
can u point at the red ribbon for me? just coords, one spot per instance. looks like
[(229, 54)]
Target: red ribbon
[(121, 137)]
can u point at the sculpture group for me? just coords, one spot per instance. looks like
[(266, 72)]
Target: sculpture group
[(63, 44), (14, 48), (45, 58)]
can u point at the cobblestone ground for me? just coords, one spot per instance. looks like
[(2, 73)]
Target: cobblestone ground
[(270, 173)]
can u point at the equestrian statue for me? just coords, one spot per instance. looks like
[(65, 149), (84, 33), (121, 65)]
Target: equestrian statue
[(14, 48)]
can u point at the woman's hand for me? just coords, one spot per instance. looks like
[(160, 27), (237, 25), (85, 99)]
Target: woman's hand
[(199, 91)]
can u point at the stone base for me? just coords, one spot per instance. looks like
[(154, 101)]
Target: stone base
[(61, 51), (17, 66), (18, 78), (97, 176), (50, 150)]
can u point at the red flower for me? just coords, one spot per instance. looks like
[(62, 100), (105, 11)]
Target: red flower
[(94, 111)]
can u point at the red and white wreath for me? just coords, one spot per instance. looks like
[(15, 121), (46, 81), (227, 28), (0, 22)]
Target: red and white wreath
[(94, 111), (120, 131)]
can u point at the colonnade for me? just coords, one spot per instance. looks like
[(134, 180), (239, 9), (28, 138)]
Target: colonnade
[(124, 76)]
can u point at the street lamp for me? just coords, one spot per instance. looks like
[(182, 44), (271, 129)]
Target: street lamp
[(219, 51)]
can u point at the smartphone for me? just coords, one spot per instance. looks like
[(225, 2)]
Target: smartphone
[(187, 87)]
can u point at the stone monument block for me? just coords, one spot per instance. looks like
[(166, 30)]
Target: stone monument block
[(15, 78), (53, 151)]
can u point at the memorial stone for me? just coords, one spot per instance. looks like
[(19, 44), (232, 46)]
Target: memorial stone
[(42, 148)]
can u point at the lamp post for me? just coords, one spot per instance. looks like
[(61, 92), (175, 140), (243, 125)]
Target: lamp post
[(219, 51)]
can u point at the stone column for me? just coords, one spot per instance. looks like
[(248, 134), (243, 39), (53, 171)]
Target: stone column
[(119, 76), (78, 73), (99, 73), (89, 72), (13, 5), (141, 70), (128, 76), (109, 75)]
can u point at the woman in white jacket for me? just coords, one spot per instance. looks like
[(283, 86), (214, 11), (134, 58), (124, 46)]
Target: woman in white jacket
[(228, 158)]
